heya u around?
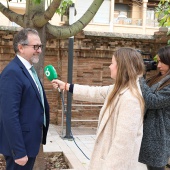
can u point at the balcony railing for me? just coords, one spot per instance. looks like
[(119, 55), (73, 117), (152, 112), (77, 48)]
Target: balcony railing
[(152, 23), (136, 22)]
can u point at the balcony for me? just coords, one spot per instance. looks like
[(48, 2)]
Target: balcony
[(136, 22)]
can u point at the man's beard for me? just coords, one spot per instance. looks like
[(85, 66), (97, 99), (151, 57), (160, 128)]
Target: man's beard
[(35, 59)]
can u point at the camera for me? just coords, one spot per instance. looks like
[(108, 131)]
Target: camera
[(149, 63)]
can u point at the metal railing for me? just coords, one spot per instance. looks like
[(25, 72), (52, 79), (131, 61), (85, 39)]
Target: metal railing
[(76, 120), (136, 22)]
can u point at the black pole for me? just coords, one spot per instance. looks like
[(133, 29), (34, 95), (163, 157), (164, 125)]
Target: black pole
[(70, 74), (69, 95)]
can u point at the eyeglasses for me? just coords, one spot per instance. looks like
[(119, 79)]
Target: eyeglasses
[(36, 47)]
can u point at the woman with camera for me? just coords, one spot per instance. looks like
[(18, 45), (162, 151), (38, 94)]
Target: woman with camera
[(155, 147)]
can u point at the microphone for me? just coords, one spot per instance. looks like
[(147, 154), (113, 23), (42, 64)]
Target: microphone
[(50, 72)]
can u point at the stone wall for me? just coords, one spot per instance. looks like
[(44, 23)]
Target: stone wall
[(92, 57)]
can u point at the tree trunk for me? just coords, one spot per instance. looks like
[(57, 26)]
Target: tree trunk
[(40, 65), (39, 163)]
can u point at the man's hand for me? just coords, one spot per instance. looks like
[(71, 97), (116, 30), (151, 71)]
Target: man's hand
[(21, 161)]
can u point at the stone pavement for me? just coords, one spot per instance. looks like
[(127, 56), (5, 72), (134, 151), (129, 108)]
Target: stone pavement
[(83, 136)]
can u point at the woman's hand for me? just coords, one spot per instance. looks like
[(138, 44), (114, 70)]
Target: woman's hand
[(60, 84)]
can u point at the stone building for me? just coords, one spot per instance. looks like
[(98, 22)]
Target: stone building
[(120, 16)]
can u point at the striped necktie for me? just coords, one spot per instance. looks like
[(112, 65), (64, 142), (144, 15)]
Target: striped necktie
[(39, 89)]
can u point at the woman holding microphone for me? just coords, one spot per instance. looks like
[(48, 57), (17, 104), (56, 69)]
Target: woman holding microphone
[(120, 125)]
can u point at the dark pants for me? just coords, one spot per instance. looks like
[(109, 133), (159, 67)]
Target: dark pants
[(11, 165), (155, 168)]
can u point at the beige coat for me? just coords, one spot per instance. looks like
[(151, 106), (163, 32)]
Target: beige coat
[(120, 129)]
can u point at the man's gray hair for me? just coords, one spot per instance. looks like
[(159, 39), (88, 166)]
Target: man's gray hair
[(22, 37)]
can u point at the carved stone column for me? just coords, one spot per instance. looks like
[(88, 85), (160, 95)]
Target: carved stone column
[(144, 15)]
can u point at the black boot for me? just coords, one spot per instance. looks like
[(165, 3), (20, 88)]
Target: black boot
[(155, 168)]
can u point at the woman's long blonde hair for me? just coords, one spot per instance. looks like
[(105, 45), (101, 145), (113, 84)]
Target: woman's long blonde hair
[(129, 67)]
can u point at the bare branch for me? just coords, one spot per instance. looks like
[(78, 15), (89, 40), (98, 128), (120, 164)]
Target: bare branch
[(41, 19), (62, 32), (68, 31), (12, 16)]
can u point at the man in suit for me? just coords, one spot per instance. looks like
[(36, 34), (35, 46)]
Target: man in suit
[(24, 110)]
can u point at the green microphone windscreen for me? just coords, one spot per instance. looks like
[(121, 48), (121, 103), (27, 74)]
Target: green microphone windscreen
[(50, 72)]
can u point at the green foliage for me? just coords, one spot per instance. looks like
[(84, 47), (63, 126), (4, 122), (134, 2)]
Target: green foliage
[(168, 42), (37, 1), (163, 13), (155, 58), (63, 8)]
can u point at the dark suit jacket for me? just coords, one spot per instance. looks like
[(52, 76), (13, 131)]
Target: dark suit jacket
[(21, 112)]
